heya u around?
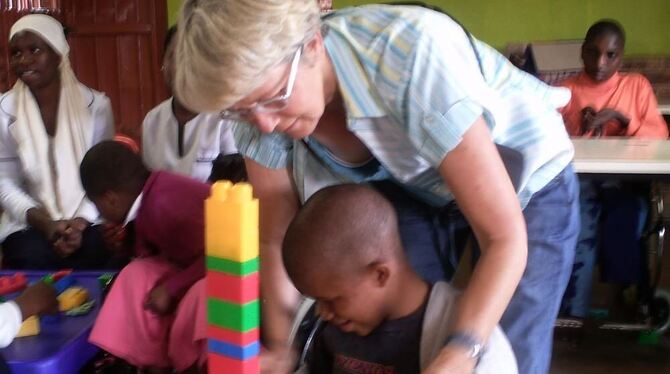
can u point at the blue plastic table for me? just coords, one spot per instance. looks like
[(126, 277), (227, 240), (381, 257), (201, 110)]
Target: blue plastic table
[(62, 345)]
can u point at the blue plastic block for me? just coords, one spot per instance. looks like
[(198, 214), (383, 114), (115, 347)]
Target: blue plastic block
[(234, 351), (64, 283)]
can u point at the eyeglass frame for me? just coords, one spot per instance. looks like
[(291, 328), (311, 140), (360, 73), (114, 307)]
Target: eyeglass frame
[(262, 107)]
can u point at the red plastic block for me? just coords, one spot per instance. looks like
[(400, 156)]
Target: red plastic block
[(222, 364), (232, 337), (232, 288), (13, 283)]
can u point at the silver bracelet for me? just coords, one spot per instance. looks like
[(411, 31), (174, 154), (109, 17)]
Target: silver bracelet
[(474, 347)]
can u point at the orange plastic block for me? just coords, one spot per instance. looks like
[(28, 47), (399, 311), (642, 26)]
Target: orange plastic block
[(232, 336), (222, 364), (232, 288), (29, 327), (231, 222), (72, 298)]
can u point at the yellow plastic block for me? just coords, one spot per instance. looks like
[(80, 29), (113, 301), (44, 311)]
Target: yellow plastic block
[(29, 327), (72, 298), (231, 222)]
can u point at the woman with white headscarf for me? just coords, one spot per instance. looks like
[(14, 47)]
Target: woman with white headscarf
[(48, 120)]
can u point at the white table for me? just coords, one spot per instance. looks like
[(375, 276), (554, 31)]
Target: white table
[(622, 156), (637, 159)]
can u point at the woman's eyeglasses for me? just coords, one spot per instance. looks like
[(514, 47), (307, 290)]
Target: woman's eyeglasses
[(273, 105)]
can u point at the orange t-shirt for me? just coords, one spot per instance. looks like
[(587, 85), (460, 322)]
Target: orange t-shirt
[(629, 94)]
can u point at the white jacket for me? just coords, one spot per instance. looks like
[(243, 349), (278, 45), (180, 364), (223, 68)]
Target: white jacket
[(16, 196)]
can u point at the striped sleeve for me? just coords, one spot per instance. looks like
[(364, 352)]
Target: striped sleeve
[(443, 86), (273, 150)]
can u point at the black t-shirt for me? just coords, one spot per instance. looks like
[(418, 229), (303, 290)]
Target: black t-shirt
[(393, 347)]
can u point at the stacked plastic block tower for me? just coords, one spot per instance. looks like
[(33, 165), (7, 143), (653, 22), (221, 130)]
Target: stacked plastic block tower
[(233, 312)]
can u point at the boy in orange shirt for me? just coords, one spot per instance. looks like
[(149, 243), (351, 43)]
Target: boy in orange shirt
[(605, 102), (613, 214)]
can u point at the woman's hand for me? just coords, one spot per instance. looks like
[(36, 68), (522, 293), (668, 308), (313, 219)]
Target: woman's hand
[(55, 230), (65, 235), (452, 359), (70, 239), (277, 361)]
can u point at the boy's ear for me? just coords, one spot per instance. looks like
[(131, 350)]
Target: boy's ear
[(381, 272)]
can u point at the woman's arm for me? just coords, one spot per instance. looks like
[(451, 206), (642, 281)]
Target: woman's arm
[(278, 205), (13, 198), (103, 119), (477, 177)]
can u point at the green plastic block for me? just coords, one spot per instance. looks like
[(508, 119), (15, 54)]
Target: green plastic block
[(105, 280), (237, 317), (232, 267)]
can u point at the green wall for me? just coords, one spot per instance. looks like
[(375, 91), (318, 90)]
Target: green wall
[(497, 22), (173, 9), (647, 22)]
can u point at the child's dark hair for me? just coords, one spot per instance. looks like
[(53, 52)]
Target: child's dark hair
[(340, 229), (606, 27), (228, 167), (112, 166)]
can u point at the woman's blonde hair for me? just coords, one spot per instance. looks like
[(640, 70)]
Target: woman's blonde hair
[(225, 47)]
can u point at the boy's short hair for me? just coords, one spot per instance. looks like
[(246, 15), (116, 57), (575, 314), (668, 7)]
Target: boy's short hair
[(606, 27), (112, 166), (341, 229)]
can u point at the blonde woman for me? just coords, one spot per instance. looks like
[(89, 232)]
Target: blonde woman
[(47, 122), (402, 96)]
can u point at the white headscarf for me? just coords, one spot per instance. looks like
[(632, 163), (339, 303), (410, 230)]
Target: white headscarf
[(53, 175), (46, 27)]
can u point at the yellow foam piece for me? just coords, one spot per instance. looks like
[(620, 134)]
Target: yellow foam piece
[(29, 327), (231, 222), (72, 298)]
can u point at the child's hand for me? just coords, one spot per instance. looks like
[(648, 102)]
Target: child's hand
[(588, 127), (40, 298), (159, 300), (595, 122), (614, 121)]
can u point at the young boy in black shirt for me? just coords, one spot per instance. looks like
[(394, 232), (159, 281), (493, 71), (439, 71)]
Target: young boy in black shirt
[(343, 249)]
